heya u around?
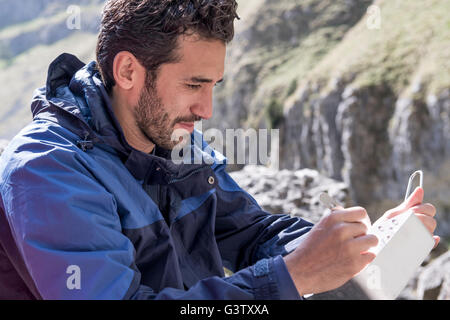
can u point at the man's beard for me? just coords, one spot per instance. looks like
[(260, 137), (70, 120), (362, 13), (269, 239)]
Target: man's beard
[(154, 121)]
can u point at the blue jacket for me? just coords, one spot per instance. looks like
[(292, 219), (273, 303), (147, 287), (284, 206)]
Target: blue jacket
[(83, 215)]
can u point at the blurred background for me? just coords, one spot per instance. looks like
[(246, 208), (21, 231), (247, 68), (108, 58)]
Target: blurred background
[(360, 91)]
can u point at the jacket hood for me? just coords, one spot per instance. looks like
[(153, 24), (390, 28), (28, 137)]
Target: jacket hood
[(75, 98), (73, 95)]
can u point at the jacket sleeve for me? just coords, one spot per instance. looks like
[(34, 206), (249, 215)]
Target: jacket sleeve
[(245, 233), (267, 279), (67, 229)]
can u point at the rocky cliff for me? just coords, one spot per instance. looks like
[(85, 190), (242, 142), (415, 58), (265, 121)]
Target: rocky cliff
[(359, 90), (378, 108)]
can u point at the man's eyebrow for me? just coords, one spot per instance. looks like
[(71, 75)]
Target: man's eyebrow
[(203, 80)]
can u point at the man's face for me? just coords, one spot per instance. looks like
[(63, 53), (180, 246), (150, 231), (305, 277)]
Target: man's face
[(182, 92)]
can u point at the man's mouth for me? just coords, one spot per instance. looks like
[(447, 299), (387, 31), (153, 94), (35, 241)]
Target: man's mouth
[(188, 126)]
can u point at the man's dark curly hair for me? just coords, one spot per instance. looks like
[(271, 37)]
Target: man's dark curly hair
[(149, 29)]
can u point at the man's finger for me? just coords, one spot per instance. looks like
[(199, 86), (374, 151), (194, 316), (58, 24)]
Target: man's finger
[(427, 209), (368, 257), (429, 222), (413, 200), (364, 243), (352, 229), (436, 241), (353, 214)]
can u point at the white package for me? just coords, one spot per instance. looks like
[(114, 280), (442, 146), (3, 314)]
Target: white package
[(404, 243)]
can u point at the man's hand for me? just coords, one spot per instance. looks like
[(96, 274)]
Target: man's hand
[(332, 253), (425, 212)]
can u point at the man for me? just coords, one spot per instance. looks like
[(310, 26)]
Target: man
[(94, 208)]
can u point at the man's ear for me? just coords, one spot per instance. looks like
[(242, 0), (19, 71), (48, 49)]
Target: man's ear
[(126, 70)]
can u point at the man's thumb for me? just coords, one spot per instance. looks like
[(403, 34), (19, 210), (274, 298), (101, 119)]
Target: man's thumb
[(414, 199)]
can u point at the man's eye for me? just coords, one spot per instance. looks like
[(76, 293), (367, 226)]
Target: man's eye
[(193, 86)]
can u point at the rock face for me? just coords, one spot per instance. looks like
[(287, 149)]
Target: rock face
[(362, 103), (293, 192), (373, 141), (275, 43), (434, 281)]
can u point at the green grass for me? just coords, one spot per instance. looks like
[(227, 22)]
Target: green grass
[(291, 65), (279, 64), (413, 44), (413, 41)]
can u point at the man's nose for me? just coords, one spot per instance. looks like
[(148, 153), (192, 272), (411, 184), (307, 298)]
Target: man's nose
[(203, 108)]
